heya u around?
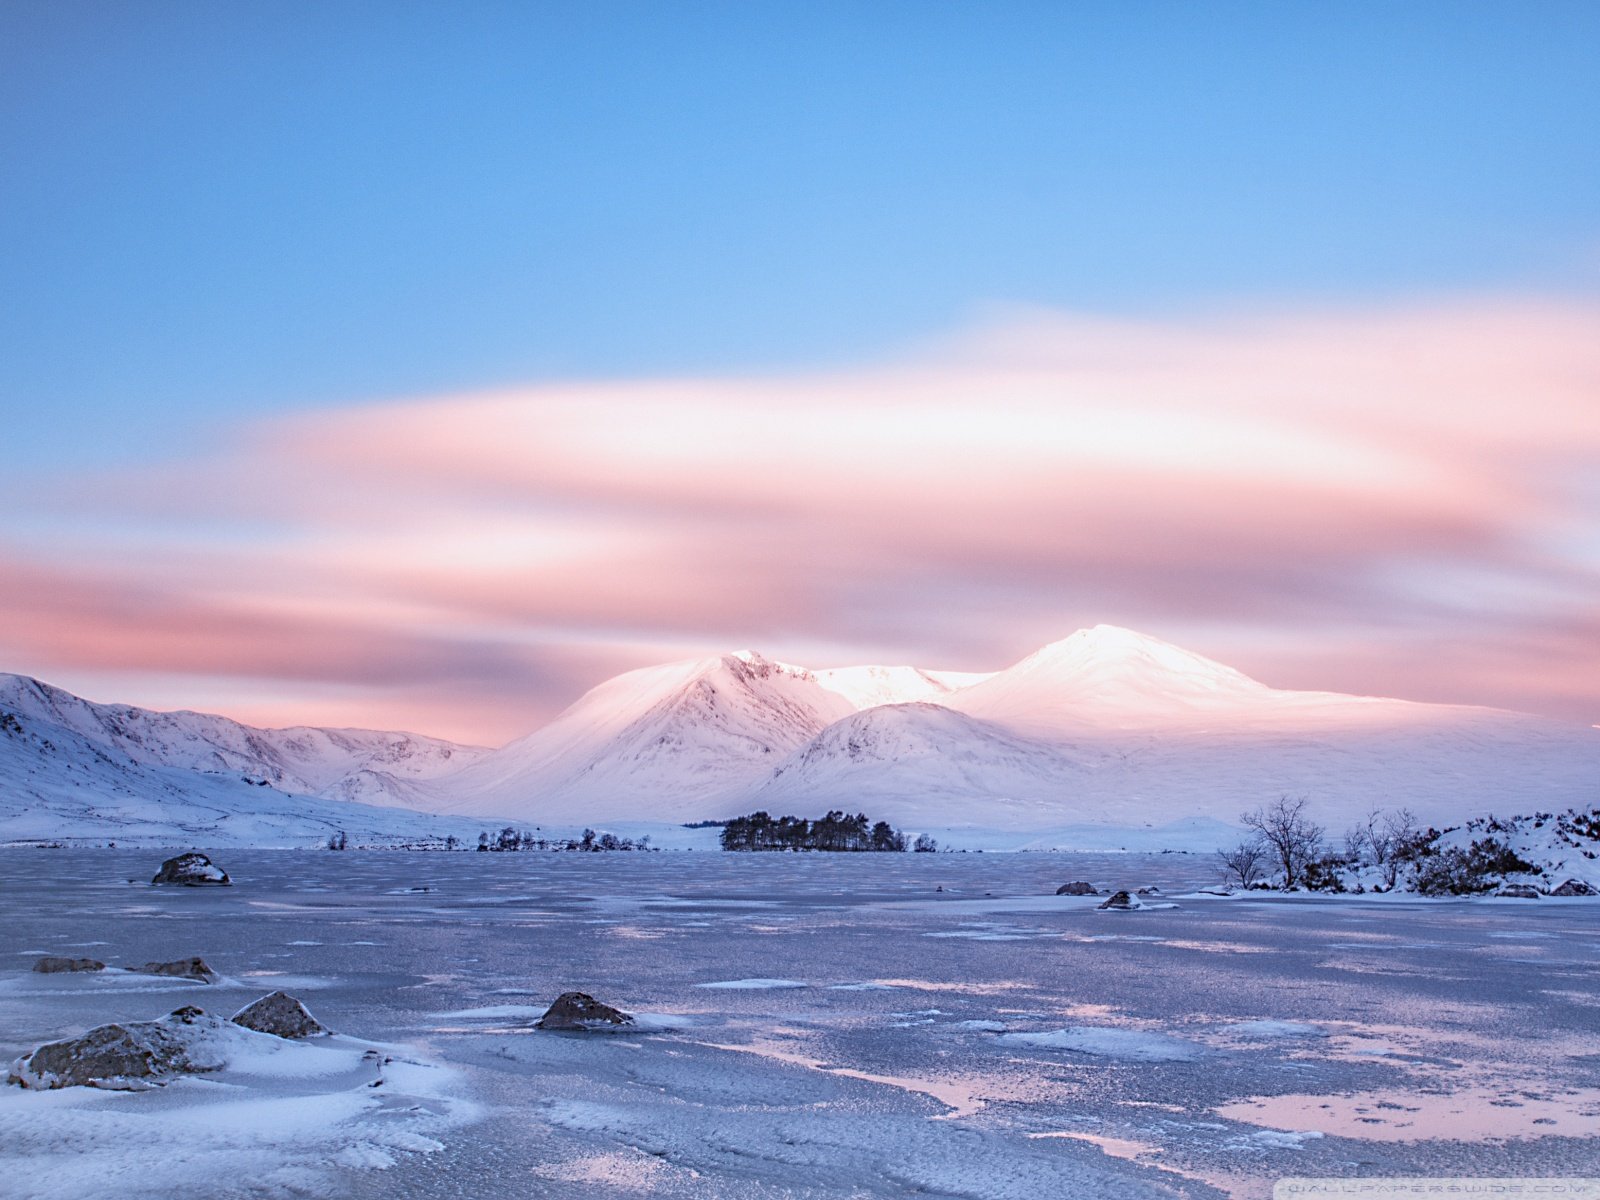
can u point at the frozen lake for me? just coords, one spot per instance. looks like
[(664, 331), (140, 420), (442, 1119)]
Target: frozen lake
[(811, 1026)]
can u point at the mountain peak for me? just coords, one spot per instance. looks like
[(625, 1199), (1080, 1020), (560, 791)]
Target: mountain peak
[(1104, 647), (1108, 671)]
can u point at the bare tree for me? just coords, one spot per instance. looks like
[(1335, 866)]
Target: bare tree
[(1245, 862), (1364, 841), (1400, 834), (1292, 838)]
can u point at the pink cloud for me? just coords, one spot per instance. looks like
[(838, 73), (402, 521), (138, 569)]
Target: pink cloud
[(1260, 485)]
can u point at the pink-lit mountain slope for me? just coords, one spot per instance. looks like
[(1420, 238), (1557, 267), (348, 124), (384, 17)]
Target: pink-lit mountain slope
[(677, 742), (70, 768), (1110, 727)]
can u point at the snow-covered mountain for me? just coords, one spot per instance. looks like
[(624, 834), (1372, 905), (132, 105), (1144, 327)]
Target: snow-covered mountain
[(868, 687), (1116, 729), (1108, 676), (679, 742), (1106, 730), (336, 764), (70, 767)]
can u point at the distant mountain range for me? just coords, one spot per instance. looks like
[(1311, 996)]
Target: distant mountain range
[(1107, 728)]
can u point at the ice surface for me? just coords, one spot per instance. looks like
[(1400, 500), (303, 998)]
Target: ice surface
[(1132, 1044), (1201, 1051), (746, 985)]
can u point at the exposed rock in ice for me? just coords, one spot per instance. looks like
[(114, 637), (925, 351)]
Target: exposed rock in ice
[(181, 968), (1122, 902), (1077, 888), (192, 870), (51, 965), (281, 1015), (124, 1057), (579, 1010)]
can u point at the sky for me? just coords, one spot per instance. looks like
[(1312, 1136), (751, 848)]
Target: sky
[(422, 365)]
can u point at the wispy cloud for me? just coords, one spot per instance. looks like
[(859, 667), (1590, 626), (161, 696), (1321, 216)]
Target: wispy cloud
[(1397, 500)]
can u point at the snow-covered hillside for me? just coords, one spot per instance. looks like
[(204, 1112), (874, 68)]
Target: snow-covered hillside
[(679, 742), (1115, 729), (1107, 730), (868, 687), (1110, 676), (72, 768), (336, 764)]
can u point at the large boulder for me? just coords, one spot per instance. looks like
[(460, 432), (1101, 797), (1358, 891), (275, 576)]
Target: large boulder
[(579, 1010), (1122, 902), (281, 1015), (51, 965), (1077, 888), (192, 870), (1519, 891), (126, 1057), (181, 968), (1572, 887)]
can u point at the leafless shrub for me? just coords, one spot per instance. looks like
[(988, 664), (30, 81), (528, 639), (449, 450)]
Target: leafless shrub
[(1292, 839), (1246, 862)]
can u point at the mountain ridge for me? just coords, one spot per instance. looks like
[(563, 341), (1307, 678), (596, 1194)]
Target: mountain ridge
[(1105, 727)]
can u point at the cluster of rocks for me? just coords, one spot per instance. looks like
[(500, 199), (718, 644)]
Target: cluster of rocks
[(140, 1054), (192, 870), (182, 968), (1526, 891), (1122, 900)]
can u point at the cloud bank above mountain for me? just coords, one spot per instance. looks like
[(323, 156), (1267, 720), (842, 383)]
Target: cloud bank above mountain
[(1397, 501)]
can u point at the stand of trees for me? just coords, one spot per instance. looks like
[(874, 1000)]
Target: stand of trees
[(1386, 849), (510, 839), (835, 831)]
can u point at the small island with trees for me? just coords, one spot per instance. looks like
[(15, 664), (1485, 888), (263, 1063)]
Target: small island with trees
[(834, 831)]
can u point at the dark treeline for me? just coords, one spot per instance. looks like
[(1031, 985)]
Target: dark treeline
[(835, 831), (510, 839)]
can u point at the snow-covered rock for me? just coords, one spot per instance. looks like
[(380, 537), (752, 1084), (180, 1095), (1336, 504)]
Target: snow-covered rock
[(281, 1015), (1574, 887), (122, 1057), (192, 870)]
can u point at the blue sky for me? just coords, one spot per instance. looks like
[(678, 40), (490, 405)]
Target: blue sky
[(221, 209), (421, 365)]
